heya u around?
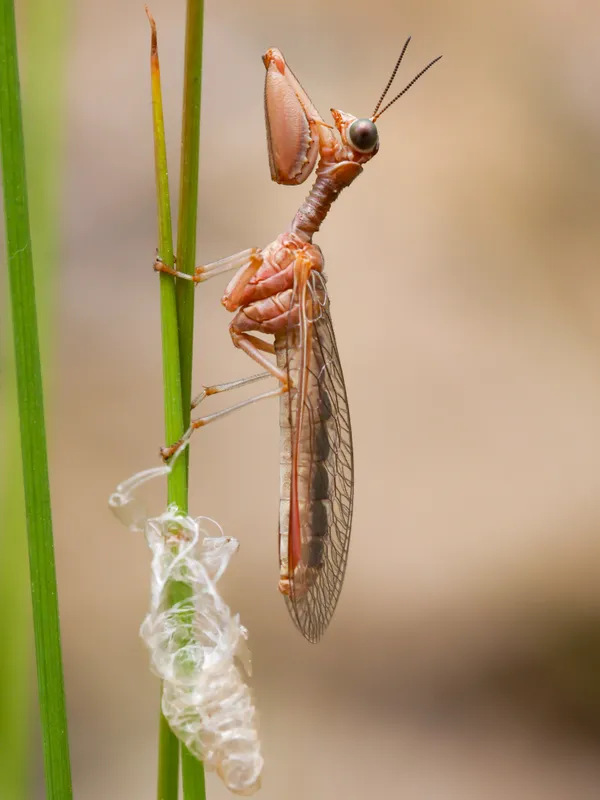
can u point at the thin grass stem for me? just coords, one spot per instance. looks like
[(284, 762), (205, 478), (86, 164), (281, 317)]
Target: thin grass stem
[(45, 56), (175, 422), (193, 770), (34, 457)]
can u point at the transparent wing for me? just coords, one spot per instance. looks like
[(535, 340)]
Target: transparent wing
[(319, 511)]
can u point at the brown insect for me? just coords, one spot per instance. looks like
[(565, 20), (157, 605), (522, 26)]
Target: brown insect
[(281, 290)]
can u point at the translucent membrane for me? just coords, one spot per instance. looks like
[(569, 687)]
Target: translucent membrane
[(197, 647)]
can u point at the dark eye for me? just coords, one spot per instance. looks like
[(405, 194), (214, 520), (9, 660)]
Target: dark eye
[(363, 136)]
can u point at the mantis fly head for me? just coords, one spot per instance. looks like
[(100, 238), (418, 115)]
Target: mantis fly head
[(361, 135)]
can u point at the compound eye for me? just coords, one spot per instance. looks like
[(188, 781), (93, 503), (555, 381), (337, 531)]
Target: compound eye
[(363, 136)]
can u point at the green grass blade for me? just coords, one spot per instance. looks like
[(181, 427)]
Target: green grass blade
[(168, 744), (168, 762), (174, 417), (193, 770), (193, 773), (45, 34), (31, 416), (188, 192)]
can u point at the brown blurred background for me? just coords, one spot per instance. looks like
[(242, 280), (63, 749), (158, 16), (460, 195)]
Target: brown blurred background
[(463, 659)]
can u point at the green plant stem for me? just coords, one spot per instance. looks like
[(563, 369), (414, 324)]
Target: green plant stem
[(193, 770), (31, 418), (168, 744), (194, 785), (188, 192), (174, 418), (45, 51), (168, 761)]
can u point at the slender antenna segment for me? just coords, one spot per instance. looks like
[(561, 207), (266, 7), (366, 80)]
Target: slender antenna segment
[(406, 88), (389, 83)]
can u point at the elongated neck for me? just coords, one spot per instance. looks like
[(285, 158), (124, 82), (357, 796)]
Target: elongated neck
[(331, 179)]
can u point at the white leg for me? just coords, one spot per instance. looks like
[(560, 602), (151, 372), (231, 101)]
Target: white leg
[(167, 452), (207, 391), (204, 272)]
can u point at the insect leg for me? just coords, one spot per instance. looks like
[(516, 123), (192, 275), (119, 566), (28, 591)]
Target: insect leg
[(202, 273), (207, 391), (167, 452), (251, 345), (260, 344)]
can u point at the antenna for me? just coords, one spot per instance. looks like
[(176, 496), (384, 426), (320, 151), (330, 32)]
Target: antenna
[(395, 70), (376, 115)]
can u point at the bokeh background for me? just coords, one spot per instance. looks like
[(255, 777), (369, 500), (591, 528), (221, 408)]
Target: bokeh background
[(463, 269)]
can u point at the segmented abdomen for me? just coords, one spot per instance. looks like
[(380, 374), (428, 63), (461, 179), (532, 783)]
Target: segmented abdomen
[(316, 473)]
